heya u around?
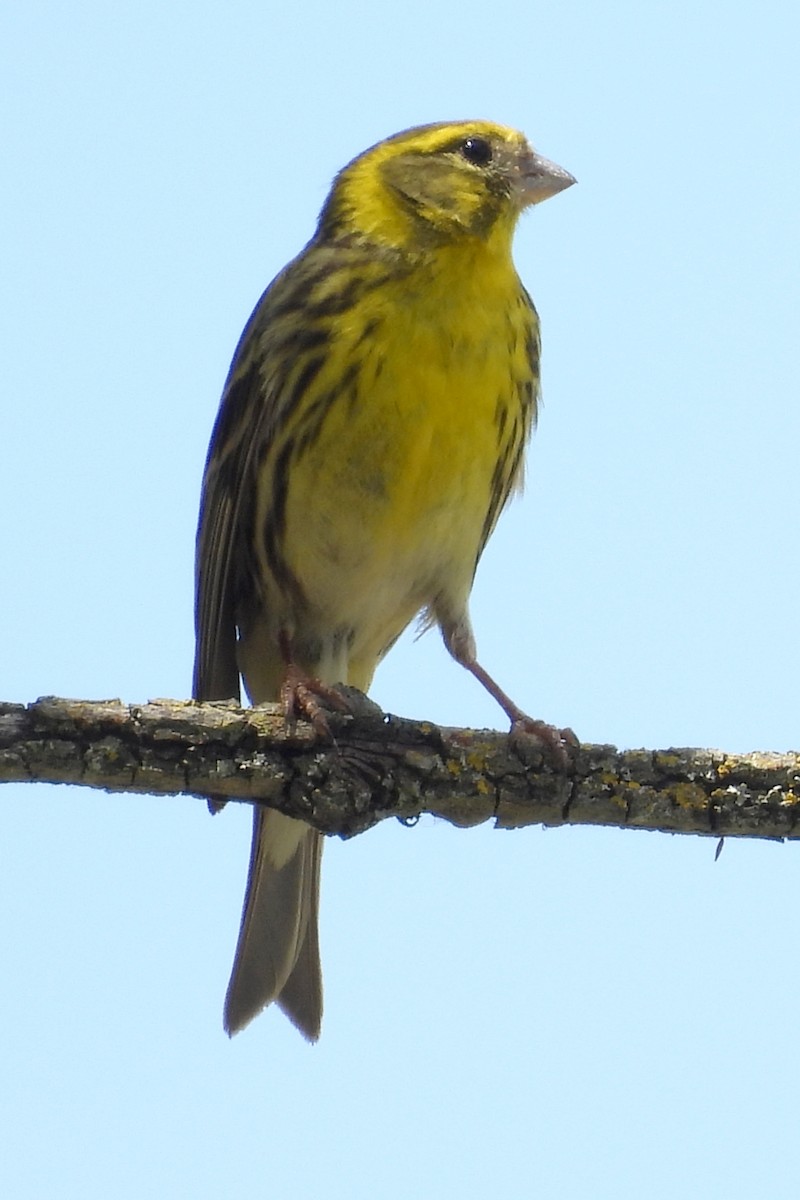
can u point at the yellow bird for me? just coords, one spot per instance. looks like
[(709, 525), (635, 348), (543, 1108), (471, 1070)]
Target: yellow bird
[(371, 429)]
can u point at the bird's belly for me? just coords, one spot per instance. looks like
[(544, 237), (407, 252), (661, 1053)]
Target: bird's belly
[(386, 510)]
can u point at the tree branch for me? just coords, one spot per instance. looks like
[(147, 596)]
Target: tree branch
[(381, 766)]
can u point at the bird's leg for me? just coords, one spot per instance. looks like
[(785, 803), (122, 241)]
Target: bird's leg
[(301, 693), (559, 742)]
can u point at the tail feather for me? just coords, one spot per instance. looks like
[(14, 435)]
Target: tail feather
[(277, 955), (301, 995)]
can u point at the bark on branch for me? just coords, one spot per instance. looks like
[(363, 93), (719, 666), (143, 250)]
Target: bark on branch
[(382, 766)]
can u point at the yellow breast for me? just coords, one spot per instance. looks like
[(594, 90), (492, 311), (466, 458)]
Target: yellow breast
[(387, 505)]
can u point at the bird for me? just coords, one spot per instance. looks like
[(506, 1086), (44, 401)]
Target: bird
[(371, 429)]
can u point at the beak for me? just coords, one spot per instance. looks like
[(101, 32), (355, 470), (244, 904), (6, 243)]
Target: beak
[(539, 179)]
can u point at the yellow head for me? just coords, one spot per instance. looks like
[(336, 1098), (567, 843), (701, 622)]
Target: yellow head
[(439, 183)]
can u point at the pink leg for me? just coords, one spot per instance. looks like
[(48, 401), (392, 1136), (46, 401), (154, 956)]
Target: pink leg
[(301, 693), (559, 742)]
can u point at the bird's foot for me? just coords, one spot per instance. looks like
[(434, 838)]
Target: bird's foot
[(303, 695), (559, 745)]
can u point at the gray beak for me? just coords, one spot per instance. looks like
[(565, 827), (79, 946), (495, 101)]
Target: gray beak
[(540, 179)]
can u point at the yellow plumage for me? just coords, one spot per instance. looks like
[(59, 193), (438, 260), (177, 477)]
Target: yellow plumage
[(371, 430)]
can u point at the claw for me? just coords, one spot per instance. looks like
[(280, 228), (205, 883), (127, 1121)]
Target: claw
[(301, 695), (559, 744)]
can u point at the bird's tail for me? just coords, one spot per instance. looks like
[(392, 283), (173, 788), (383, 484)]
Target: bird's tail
[(277, 955)]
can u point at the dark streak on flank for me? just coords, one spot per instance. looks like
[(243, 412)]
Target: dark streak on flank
[(276, 524), (501, 416), (308, 338), (339, 300), (370, 327), (533, 348), (526, 395), (310, 422), (295, 397)]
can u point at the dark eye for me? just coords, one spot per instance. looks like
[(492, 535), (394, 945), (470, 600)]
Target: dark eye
[(477, 151)]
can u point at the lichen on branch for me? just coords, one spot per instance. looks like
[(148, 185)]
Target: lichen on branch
[(377, 766)]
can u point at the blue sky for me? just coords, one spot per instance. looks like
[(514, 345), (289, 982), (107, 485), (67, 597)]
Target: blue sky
[(567, 1014)]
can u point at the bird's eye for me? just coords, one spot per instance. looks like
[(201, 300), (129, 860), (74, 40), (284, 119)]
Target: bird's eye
[(477, 151)]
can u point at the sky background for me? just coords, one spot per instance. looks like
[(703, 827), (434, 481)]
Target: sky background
[(561, 1014)]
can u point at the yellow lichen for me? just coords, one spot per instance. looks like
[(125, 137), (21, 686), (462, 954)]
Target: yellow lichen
[(688, 795)]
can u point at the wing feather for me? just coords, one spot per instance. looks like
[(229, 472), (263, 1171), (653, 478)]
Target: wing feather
[(221, 558)]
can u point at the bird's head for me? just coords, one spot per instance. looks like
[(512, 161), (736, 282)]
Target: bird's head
[(438, 183)]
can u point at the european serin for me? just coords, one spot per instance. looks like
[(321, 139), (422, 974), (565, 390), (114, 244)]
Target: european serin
[(371, 430)]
